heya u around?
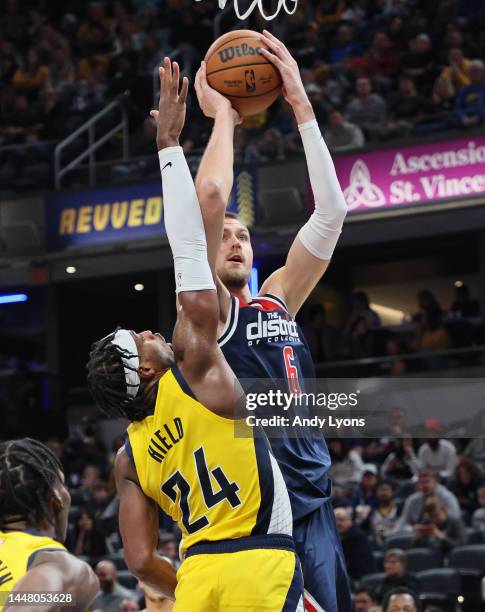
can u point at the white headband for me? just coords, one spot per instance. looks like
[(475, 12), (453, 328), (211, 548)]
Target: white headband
[(125, 341)]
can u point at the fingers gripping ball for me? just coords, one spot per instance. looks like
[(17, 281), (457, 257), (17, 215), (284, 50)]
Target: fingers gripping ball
[(239, 72)]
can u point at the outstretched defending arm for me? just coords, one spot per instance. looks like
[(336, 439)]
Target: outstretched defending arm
[(312, 249), (195, 335)]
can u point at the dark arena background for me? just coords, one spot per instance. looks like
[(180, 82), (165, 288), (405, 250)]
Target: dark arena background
[(398, 89)]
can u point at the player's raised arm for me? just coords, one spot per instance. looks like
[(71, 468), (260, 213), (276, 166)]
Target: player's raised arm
[(215, 175), (312, 249), (58, 572), (195, 335)]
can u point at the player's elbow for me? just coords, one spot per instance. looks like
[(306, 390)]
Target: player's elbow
[(139, 563), (211, 193)]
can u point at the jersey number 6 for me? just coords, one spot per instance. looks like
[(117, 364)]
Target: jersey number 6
[(291, 370)]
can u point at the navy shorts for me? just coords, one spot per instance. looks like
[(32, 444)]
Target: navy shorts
[(322, 560)]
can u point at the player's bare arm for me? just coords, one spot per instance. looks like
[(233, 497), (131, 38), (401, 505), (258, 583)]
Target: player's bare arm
[(215, 175), (59, 572), (312, 249), (138, 518), (195, 335)]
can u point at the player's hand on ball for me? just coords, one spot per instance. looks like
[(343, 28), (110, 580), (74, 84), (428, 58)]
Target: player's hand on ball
[(170, 116), (293, 90), (211, 101)]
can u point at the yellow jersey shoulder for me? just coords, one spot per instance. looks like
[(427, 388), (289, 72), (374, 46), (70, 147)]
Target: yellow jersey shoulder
[(17, 552)]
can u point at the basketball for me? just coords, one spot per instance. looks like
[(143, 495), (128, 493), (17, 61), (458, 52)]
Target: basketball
[(238, 71)]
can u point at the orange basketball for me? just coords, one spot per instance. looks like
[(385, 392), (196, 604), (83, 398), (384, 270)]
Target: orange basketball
[(238, 71)]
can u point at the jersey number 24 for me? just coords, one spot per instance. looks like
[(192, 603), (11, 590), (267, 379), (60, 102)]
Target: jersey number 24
[(227, 490)]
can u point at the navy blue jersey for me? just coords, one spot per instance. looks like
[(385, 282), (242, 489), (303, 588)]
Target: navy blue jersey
[(262, 340)]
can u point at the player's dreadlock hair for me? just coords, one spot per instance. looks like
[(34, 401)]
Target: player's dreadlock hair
[(107, 382), (29, 471)]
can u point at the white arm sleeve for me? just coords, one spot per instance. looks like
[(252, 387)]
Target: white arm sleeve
[(183, 223), (321, 232)]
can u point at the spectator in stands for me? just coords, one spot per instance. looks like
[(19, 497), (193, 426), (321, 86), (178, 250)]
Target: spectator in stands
[(362, 322), (341, 135), (407, 107), (367, 110), (432, 334), (381, 62), (129, 605), (355, 543), (323, 338), (475, 449), (111, 592), (463, 306), (364, 499), (465, 484), (427, 486), (394, 349), (426, 300), (364, 600), (478, 518), (269, 148), (395, 568), (457, 72), (419, 63), (401, 600), (438, 530), (347, 465), (444, 116), (31, 79), (88, 539), (345, 45), (384, 516), (470, 102), (329, 12), (439, 455)]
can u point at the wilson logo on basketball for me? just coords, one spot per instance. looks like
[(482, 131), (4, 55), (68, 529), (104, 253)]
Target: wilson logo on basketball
[(229, 53)]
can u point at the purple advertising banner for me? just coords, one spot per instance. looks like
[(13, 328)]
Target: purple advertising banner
[(413, 175)]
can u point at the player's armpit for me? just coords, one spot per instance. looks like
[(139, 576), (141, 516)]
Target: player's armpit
[(294, 282), (59, 572), (138, 520)]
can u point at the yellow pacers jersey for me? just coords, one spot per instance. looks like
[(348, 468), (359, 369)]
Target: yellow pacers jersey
[(17, 551), (214, 485)]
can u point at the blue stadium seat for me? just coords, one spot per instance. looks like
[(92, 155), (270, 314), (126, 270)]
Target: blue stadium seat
[(471, 557), (378, 560), (372, 581), (440, 585), (420, 559), (401, 539)]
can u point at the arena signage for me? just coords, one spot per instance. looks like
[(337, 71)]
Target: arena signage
[(123, 213), (414, 175), (288, 6)]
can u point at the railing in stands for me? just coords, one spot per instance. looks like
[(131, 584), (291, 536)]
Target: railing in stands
[(419, 362), (94, 142)]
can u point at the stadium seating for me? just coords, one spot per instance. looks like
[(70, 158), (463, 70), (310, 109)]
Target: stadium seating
[(440, 585), (126, 579), (420, 559)]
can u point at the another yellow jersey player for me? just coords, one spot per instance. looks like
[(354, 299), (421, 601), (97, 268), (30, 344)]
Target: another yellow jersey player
[(36, 571), (225, 491)]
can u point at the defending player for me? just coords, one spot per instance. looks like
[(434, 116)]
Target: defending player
[(34, 508), (226, 493), (285, 355)]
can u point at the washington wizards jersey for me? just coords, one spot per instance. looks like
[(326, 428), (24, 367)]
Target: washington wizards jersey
[(262, 340)]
